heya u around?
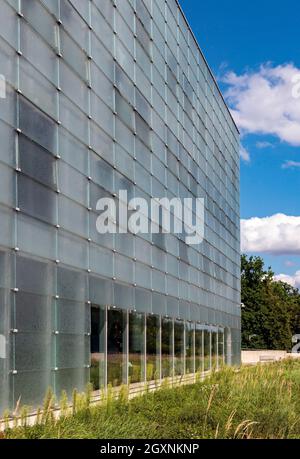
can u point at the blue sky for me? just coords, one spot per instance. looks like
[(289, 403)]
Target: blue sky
[(241, 39)]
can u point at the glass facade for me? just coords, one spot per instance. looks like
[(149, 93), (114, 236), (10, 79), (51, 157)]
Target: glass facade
[(102, 96)]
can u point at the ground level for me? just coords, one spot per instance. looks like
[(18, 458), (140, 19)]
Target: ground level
[(262, 401)]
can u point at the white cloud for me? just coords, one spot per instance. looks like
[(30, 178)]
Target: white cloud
[(293, 280), (244, 154), (290, 165), (277, 235), (264, 102), (263, 145)]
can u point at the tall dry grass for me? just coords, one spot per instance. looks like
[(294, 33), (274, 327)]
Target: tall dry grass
[(251, 402)]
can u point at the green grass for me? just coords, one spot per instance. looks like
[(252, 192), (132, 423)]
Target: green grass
[(254, 402)]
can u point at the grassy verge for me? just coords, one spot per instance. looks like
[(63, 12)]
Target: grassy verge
[(255, 402)]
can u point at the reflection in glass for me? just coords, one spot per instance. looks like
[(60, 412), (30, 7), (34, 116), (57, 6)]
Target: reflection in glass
[(153, 348), (178, 347), (221, 359), (97, 370), (189, 348), (227, 346), (116, 347), (167, 347), (198, 349), (207, 363), (214, 350), (136, 357)]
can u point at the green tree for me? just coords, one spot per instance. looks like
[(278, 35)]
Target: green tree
[(270, 309)]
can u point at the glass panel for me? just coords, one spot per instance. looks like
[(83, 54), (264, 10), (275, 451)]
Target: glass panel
[(143, 130), (73, 55), (124, 59), (73, 152), (101, 28), (189, 347), (40, 19), (7, 225), (8, 24), (102, 58), (207, 364), (38, 53), (101, 143), (221, 359), (82, 8), (136, 353), (74, 24), (153, 348), (101, 260), (70, 378), (123, 296), (124, 269), (71, 284), (124, 110), (167, 347), (34, 276), (100, 290), (72, 216), (34, 236), (73, 87), (102, 115), (7, 185), (178, 347), (7, 135), (101, 85), (124, 84), (98, 337), (73, 119), (214, 350), (31, 386), (116, 347), (32, 351), (32, 312), (72, 351), (72, 250), (36, 200), (37, 162), (36, 125), (72, 183), (73, 317), (102, 172), (227, 346), (198, 349)]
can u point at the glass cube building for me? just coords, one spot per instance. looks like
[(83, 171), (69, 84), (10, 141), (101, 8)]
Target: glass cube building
[(99, 96)]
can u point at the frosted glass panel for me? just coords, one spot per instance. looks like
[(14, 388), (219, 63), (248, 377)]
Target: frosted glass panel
[(36, 200), (72, 216), (71, 284), (101, 260), (31, 387), (32, 351), (72, 250), (34, 276), (36, 237), (73, 317), (36, 125), (33, 313), (72, 183), (72, 351), (37, 162)]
